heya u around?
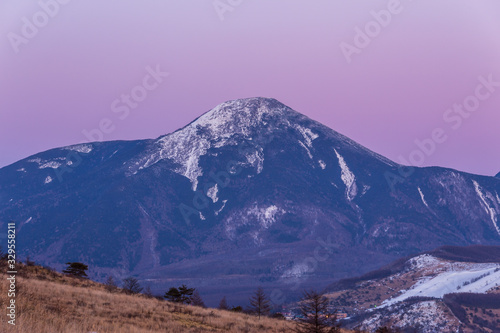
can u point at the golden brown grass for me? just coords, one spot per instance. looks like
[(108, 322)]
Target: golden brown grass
[(48, 302)]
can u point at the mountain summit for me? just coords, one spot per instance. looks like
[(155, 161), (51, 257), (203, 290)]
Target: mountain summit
[(250, 193), (248, 120)]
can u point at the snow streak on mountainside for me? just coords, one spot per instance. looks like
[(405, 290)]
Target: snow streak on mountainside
[(422, 197), (486, 199), (347, 177)]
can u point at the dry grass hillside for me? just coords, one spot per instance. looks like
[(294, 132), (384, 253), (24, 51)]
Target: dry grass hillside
[(49, 302)]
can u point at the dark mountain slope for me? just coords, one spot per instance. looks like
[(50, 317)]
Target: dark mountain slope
[(249, 193)]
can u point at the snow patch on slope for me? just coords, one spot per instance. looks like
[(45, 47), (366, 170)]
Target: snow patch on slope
[(490, 210), (256, 159), (307, 149), (47, 180), (429, 316), (308, 135), (322, 164), (297, 271), (81, 148), (264, 216), (36, 160), (212, 193), (452, 282), (422, 197), (347, 177), (423, 261), (223, 205), (50, 164)]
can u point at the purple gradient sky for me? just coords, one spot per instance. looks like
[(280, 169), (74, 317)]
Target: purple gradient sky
[(395, 91)]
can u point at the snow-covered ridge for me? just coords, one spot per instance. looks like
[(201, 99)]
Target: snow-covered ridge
[(442, 277), (477, 279)]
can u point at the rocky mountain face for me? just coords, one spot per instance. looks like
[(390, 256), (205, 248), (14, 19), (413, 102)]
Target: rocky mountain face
[(452, 289), (250, 193)]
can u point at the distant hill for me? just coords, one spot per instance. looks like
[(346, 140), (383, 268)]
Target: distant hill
[(473, 253), (441, 290)]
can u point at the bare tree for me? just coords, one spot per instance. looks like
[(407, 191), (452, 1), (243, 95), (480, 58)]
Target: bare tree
[(110, 284), (259, 303), (148, 292), (131, 285), (223, 304), (29, 262), (316, 317)]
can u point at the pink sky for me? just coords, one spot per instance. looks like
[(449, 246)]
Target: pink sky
[(63, 79)]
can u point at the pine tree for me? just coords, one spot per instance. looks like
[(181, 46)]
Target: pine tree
[(316, 317), (259, 303), (76, 269), (223, 304), (186, 294), (181, 295), (173, 295), (196, 300)]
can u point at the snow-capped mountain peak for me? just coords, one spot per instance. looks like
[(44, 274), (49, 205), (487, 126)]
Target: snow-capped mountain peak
[(224, 125), (257, 120)]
